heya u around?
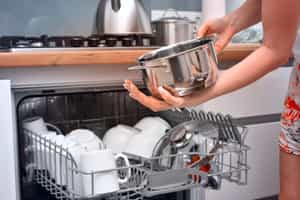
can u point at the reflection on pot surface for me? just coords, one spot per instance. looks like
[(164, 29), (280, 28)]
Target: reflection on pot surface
[(180, 68)]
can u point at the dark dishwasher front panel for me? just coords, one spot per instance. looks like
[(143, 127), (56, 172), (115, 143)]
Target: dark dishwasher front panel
[(97, 111)]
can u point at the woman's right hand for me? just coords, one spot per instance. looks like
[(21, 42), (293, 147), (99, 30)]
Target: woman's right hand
[(221, 27)]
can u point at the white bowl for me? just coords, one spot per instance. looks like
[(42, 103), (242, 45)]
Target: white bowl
[(118, 137), (86, 138), (150, 122)]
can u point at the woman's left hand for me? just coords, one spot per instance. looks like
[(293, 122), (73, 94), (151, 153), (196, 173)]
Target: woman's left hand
[(167, 102)]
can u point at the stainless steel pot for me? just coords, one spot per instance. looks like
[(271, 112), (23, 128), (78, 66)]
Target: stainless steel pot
[(173, 29), (180, 68), (122, 17)]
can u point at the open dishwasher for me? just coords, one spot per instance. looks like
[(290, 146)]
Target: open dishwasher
[(200, 150)]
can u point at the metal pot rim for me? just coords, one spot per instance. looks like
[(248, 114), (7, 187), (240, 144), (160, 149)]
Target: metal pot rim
[(168, 53)]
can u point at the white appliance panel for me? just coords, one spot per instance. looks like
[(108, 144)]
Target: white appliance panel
[(9, 184), (264, 96)]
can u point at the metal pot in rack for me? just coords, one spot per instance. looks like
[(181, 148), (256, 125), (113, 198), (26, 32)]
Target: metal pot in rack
[(172, 29), (180, 68)]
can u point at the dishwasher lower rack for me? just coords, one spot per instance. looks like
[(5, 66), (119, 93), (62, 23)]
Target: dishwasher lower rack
[(59, 174)]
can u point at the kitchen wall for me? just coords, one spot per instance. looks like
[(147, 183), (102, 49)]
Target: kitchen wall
[(187, 5), (68, 17)]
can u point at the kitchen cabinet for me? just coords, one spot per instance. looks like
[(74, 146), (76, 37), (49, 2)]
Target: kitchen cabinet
[(190, 5), (8, 147), (54, 58)]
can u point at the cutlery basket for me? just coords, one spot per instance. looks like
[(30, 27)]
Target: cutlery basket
[(149, 176)]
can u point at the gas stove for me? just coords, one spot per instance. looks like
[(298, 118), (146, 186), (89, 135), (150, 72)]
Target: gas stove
[(76, 43)]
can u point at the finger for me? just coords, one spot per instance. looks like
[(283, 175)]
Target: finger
[(169, 98), (202, 31), (147, 101), (150, 102), (130, 86), (152, 84), (205, 29), (223, 39)]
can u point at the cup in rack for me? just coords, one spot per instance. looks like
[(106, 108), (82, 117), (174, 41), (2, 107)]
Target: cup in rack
[(64, 159), (86, 138), (100, 172), (152, 130), (153, 125), (117, 137), (142, 145), (40, 144), (36, 125)]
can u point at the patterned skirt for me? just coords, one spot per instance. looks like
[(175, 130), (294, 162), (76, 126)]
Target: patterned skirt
[(289, 139)]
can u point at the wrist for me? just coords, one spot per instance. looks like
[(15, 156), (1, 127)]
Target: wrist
[(232, 23)]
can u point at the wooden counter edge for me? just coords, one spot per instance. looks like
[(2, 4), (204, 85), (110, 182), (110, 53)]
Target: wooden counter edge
[(233, 52)]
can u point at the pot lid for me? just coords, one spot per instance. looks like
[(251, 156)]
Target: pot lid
[(174, 49), (174, 18)]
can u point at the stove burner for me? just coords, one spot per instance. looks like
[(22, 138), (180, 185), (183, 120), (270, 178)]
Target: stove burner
[(93, 41), (111, 41), (77, 42), (10, 41), (44, 41), (127, 42), (35, 42), (22, 44), (55, 42)]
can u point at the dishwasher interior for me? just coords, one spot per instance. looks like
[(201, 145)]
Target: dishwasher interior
[(98, 110)]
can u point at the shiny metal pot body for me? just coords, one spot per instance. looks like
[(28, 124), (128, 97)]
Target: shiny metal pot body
[(170, 30), (122, 17), (181, 68)]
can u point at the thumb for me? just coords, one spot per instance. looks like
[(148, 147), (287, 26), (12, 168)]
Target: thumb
[(203, 30), (223, 39)]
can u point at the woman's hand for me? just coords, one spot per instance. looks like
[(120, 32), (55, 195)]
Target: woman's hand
[(167, 102), (221, 27)]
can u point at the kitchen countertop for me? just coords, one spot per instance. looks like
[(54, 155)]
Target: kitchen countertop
[(234, 52)]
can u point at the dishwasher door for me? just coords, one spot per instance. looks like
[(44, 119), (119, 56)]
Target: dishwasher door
[(8, 152)]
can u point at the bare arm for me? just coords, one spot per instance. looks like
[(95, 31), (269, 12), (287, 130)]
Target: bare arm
[(279, 37), (280, 20), (248, 14)]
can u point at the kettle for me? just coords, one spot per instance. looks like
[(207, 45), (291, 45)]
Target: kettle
[(122, 17)]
